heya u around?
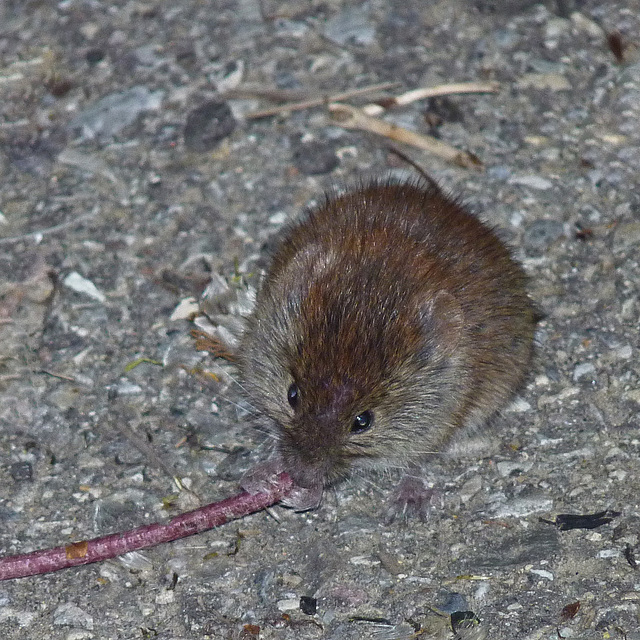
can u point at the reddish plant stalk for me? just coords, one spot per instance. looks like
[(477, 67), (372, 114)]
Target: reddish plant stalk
[(116, 544)]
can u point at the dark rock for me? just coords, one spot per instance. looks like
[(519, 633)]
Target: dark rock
[(208, 125), (314, 158), (21, 471)]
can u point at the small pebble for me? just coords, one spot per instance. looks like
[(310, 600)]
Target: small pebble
[(507, 468), (71, 615), (522, 507), (289, 604), (351, 26), (585, 24), (542, 573), (452, 602), (165, 596), (541, 81), (93, 56), (533, 181), (540, 234), (21, 471), (308, 605), (470, 488), (278, 218), (581, 370), (115, 111), (187, 308), (126, 388), (627, 234), (79, 634), (208, 125), (624, 352), (80, 284), (556, 27), (314, 158)]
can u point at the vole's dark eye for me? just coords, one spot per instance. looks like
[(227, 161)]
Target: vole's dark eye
[(362, 422), (293, 395)]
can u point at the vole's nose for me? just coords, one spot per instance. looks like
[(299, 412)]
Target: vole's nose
[(308, 467)]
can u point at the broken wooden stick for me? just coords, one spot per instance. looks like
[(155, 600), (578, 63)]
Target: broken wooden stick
[(375, 109), (349, 117), (116, 544), (319, 100), (372, 109)]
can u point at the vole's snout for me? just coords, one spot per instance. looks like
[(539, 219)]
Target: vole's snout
[(306, 476), (309, 460)]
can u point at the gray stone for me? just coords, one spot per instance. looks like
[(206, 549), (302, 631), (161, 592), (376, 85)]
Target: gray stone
[(70, 615), (539, 235), (207, 125), (111, 114)]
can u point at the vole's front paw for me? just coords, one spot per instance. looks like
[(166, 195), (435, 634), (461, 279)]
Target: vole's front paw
[(412, 498), (264, 476), (303, 498)]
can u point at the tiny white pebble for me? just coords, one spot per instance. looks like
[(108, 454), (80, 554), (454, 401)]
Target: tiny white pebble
[(533, 181), (366, 561), (186, 308), (482, 591), (290, 604), (280, 217), (624, 352), (620, 475), (542, 573), (80, 284), (582, 369), (165, 597)]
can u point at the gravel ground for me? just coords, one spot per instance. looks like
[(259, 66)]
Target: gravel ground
[(130, 177)]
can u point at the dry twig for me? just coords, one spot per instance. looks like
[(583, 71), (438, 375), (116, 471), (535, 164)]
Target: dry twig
[(429, 92), (49, 230), (315, 102), (349, 117), (186, 524)]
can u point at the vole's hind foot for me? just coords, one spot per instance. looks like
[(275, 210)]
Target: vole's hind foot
[(412, 499), (263, 476)]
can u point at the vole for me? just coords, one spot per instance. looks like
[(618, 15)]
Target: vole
[(389, 320)]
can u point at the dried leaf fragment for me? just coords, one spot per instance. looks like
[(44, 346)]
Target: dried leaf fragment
[(570, 611), (568, 521), (206, 342), (630, 556), (616, 45)]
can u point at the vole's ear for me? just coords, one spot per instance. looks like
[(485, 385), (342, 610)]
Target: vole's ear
[(442, 321)]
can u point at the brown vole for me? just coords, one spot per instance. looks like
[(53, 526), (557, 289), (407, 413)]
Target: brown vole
[(390, 319)]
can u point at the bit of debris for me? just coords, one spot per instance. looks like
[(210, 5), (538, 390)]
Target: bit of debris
[(568, 521)]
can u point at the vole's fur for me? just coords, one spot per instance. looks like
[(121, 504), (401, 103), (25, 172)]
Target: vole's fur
[(390, 302)]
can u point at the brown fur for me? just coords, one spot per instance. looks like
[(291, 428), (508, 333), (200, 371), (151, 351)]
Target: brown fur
[(393, 299)]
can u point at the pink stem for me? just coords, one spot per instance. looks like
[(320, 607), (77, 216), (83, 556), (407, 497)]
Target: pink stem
[(186, 524)]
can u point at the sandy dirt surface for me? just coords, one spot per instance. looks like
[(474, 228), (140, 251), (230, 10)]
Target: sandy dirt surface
[(131, 175)]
